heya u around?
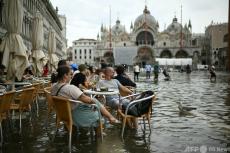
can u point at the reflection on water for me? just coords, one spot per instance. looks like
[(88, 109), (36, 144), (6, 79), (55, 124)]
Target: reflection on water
[(172, 131)]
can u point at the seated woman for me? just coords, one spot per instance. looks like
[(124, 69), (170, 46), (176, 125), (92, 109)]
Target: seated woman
[(28, 74), (82, 115), (80, 79), (93, 77), (45, 70)]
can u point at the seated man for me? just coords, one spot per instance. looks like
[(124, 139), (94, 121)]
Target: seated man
[(82, 115), (113, 100), (110, 83), (123, 78)]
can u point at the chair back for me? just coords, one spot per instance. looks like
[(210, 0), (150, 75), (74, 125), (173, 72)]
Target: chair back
[(26, 97), (6, 101), (38, 86), (49, 99), (63, 111), (141, 105)]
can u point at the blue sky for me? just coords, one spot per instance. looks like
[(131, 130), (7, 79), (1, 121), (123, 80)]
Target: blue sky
[(84, 17)]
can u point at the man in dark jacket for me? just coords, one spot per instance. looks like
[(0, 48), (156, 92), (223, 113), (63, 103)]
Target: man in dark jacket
[(123, 78)]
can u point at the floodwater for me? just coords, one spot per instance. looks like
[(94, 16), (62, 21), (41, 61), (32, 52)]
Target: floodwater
[(206, 129)]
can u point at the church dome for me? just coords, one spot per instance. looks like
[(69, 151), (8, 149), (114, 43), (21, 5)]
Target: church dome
[(145, 17), (174, 27), (118, 28)]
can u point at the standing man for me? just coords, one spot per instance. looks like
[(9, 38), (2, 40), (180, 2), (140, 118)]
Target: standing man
[(148, 69), (156, 71), (136, 72)]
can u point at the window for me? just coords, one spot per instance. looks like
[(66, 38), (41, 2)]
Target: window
[(80, 57), (89, 57), (90, 51), (85, 57), (194, 42), (94, 43), (124, 44), (80, 51), (75, 51), (164, 43), (75, 57), (85, 51)]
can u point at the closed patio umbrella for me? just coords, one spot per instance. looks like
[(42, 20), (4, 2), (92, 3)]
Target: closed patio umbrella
[(14, 51), (51, 50), (39, 59)]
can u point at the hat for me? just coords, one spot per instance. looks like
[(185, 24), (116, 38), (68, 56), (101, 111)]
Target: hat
[(82, 67)]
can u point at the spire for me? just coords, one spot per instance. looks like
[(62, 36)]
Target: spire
[(118, 21), (102, 28), (146, 11), (175, 19), (98, 36), (157, 24), (189, 24), (131, 26)]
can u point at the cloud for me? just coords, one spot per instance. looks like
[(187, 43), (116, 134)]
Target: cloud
[(84, 17)]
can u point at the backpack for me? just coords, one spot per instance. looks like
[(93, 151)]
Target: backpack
[(138, 109)]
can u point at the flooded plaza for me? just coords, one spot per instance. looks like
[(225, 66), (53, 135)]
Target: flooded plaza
[(206, 129)]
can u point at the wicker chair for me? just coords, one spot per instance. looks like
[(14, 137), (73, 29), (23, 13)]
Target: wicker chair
[(146, 115), (5, 102), (64, 114), (26, 99), (50, 104)]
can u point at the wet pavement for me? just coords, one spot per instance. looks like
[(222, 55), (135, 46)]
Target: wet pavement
[(206, 129)]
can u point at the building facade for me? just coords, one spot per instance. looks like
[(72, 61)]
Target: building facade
[(84, 51), (50, 21), (145, 42), (217, 44)]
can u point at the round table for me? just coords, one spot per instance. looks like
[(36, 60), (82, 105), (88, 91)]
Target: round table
[(93, 93)]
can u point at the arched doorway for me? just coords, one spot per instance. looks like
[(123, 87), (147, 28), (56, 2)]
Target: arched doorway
[(144, 37), (166, 54), (109, 59), (181, 54), (144, 56)]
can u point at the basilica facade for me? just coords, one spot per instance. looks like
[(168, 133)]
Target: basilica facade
[(144, 43)]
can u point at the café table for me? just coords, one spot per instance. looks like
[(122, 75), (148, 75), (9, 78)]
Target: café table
[(13, 84), (94, 93), (16, 83)]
